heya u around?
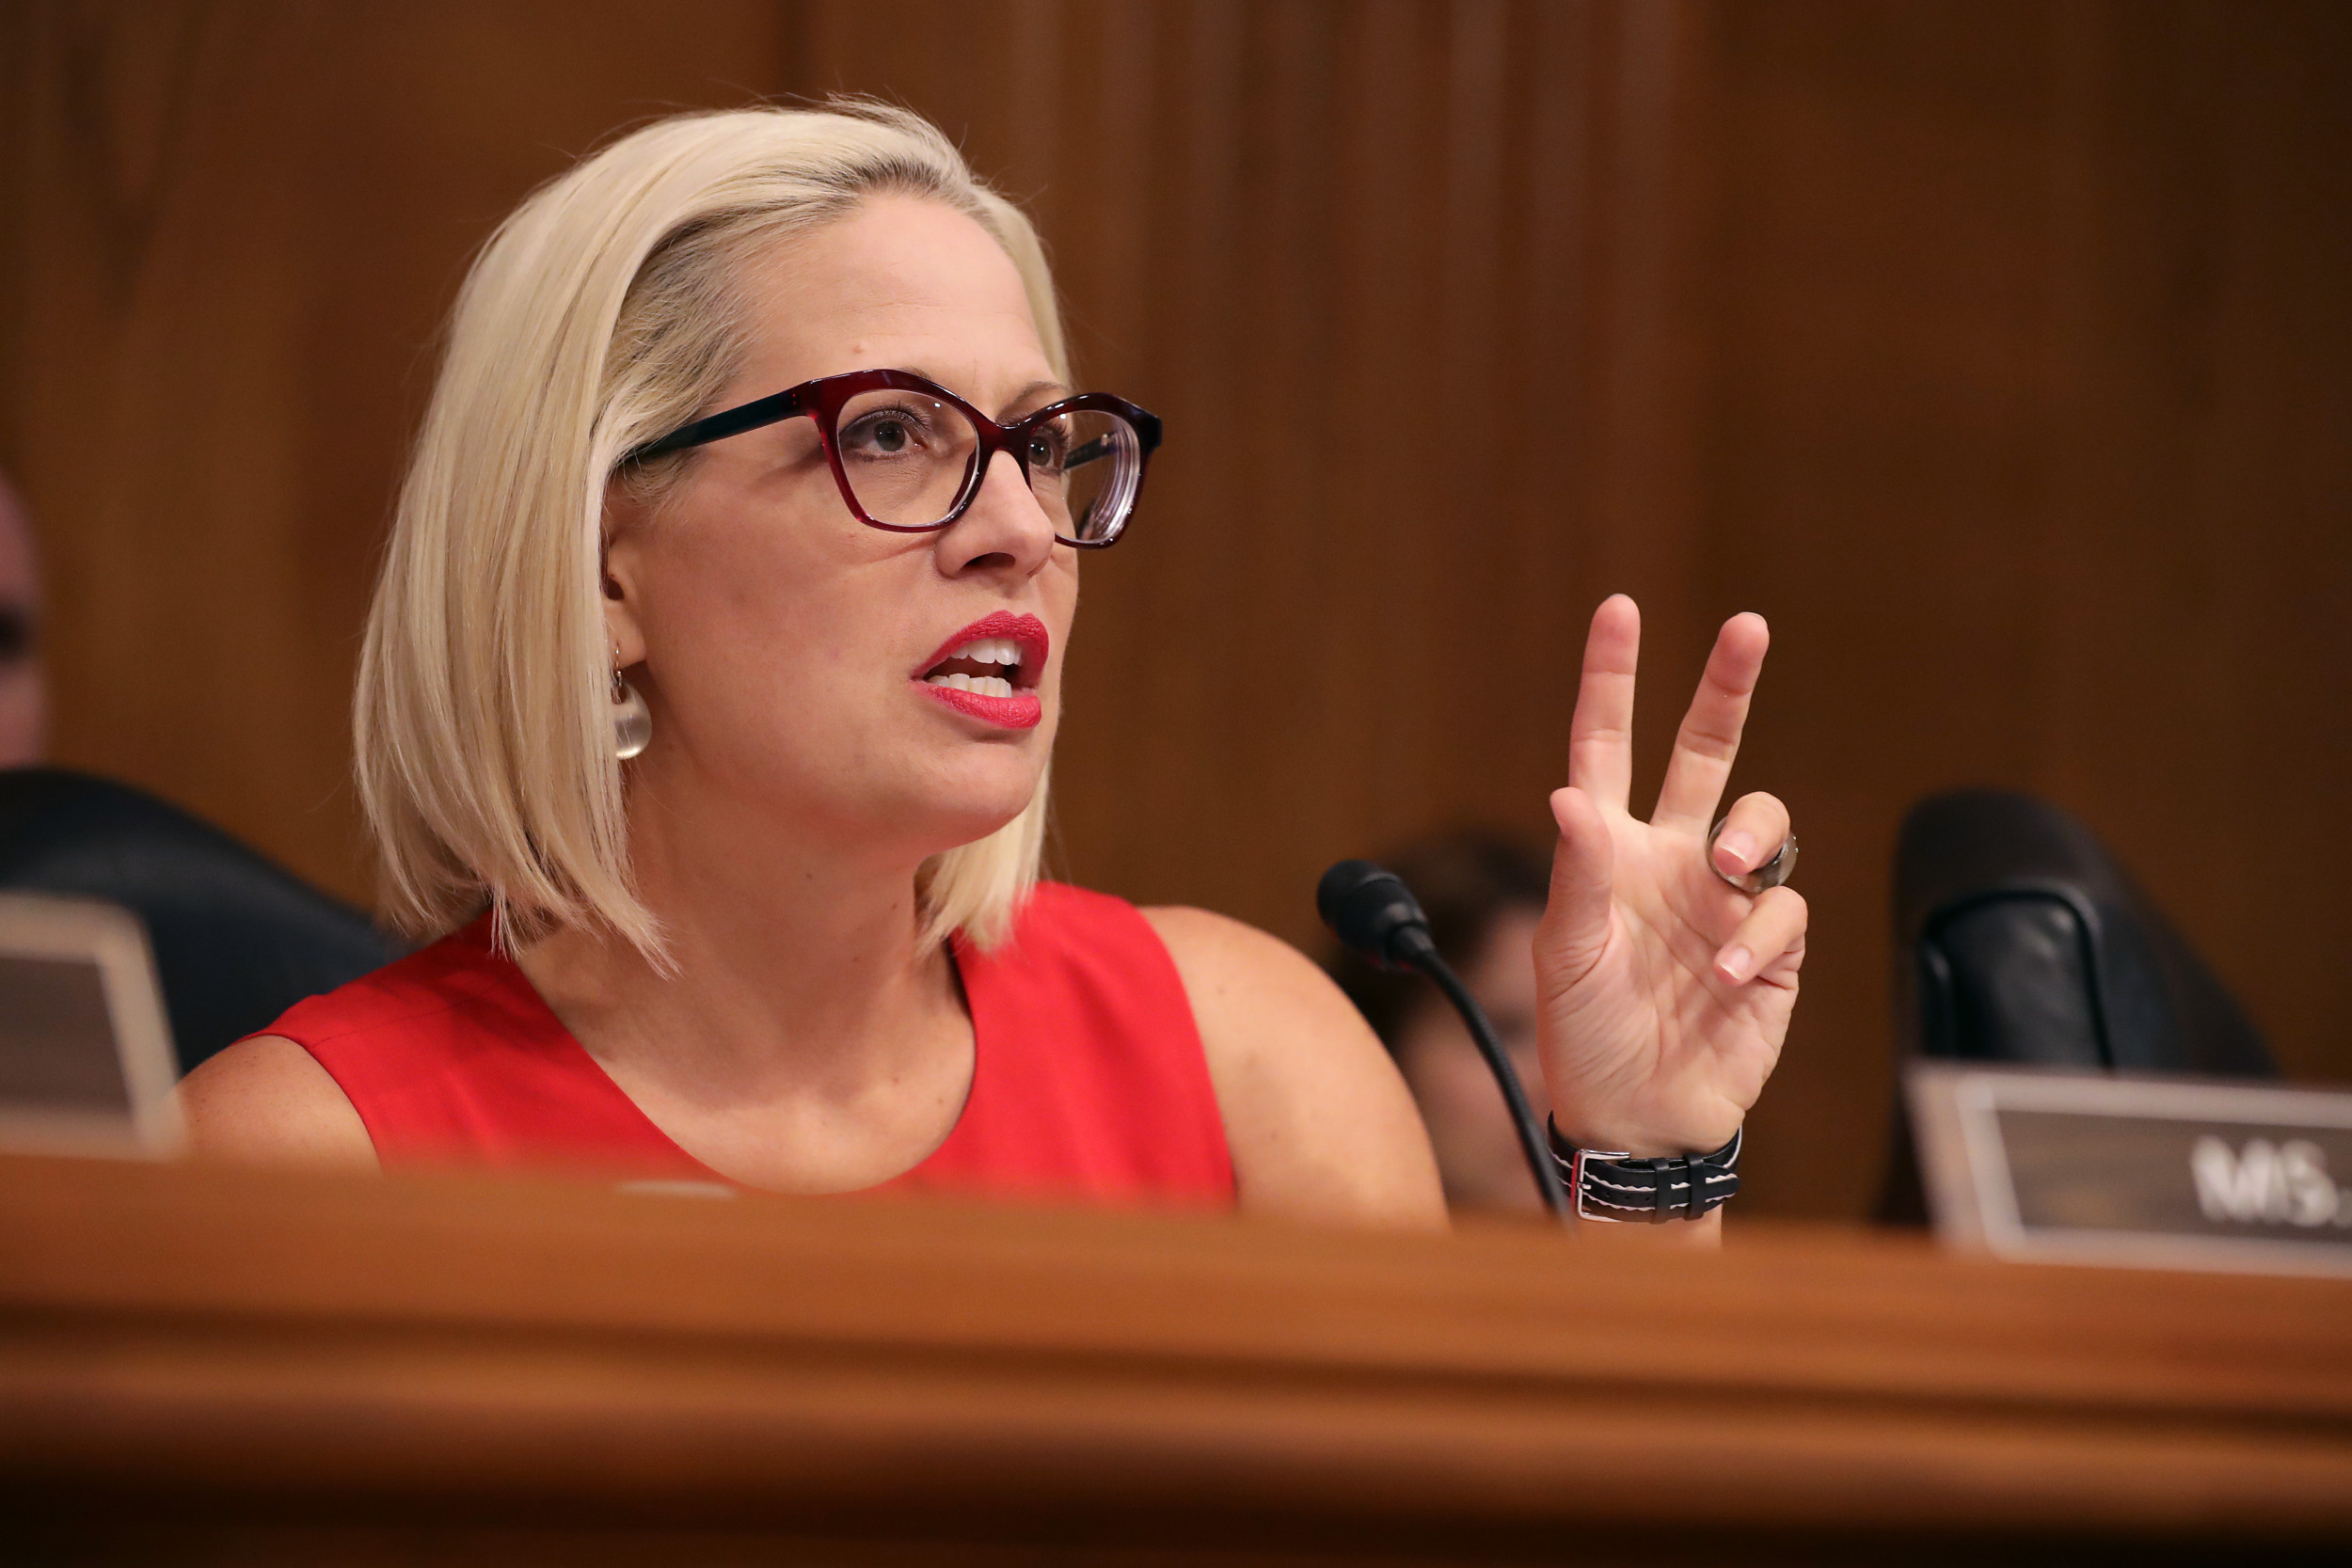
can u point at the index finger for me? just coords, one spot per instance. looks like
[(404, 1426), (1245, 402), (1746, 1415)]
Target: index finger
[(1600, 736), (1709, 736)]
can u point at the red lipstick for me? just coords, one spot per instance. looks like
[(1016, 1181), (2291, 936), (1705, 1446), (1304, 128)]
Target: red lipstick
[(1023, 708)]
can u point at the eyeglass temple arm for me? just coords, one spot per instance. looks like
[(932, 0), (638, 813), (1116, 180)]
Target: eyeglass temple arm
[(751, 416)]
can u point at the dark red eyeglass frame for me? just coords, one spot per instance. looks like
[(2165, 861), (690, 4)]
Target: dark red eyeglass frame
[(823, 399)]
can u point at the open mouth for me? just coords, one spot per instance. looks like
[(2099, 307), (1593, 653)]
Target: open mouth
[(991, 668)]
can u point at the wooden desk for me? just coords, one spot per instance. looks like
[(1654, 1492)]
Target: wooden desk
[(222, 1366)]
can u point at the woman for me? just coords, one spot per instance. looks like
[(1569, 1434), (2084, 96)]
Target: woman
[(791, 938)]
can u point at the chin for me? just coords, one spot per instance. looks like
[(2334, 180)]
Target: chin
[(970, 827), (970, 808)]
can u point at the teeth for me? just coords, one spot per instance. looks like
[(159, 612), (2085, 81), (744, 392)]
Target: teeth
[(984, 686), (990, 650)]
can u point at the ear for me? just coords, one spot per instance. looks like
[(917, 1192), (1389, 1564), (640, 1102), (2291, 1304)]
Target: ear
[(620, 572)]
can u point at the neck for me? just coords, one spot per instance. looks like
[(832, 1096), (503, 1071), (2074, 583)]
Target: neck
[(796, 961)]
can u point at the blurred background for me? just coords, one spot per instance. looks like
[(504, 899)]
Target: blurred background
[(2000, 353)]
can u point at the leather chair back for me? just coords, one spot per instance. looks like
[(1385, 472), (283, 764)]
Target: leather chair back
[(2020, 938), (2023, 940), (237, 939)]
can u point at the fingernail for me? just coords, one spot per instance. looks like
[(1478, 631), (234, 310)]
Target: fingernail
[(1733, 850), (1736, 964)]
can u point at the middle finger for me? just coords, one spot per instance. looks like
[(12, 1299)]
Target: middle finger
[(1709, 737)]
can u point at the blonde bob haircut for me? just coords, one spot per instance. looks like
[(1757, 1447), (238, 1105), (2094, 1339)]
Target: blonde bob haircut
[(605, 313)]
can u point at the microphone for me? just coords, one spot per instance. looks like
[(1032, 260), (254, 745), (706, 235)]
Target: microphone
[(1372, 910)]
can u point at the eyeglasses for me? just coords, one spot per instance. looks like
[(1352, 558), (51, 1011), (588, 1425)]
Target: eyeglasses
[(910, 456)]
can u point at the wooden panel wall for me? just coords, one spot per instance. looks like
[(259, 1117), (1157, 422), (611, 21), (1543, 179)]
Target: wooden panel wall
[(1996, 350)]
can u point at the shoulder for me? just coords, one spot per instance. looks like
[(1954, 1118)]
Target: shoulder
[(268, 1100), (273, 1097), (1233, 971), (1261, 1004), (1320, 1123), (458, 970)]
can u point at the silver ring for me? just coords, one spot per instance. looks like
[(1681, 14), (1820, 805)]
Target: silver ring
[(1773, 873)]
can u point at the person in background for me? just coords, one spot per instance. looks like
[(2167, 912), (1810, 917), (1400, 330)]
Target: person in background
[(1484, 893), (24, 697)]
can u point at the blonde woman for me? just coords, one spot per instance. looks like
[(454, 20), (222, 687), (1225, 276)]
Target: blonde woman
[(705, 717)]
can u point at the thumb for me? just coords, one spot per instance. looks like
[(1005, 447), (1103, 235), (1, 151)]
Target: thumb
[(1576, 920)]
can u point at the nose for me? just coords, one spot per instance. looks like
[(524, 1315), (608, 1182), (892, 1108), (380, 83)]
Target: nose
[(1004, 532)]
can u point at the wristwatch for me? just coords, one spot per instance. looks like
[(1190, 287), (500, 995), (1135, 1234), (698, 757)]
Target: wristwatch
[(1614, 1187)]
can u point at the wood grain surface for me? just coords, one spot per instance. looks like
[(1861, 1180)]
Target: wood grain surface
[(194, 1357), (1998, 350)]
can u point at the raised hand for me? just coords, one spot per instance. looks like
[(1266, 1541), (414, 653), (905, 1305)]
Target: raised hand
[(1666, 992)]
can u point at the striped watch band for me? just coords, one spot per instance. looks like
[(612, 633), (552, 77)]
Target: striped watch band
[(1615, 1187)]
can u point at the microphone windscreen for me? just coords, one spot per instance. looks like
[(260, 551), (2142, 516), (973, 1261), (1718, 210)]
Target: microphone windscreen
[(1366, 907)]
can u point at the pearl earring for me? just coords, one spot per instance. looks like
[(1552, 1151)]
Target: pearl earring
[(632, 722)]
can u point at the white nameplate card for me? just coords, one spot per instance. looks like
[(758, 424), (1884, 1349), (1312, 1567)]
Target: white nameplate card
[(86, 1062), (2176, 1173)]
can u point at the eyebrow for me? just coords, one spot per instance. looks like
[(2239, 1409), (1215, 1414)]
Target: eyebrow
[(1058, 388), (1016, 400)]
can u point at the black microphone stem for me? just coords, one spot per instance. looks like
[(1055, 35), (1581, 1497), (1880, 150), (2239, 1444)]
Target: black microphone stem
[(1533, 1142)]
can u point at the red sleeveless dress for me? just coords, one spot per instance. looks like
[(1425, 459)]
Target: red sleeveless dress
[(1087, 1079)]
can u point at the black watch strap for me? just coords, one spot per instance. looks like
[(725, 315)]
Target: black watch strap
[(1613, 1186)]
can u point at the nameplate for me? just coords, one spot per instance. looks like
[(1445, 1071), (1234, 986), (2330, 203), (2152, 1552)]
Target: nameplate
[(2140, 1172)]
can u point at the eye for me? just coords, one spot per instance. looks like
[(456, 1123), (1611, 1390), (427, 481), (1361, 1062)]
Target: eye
[(894, 429), (1049, 446)]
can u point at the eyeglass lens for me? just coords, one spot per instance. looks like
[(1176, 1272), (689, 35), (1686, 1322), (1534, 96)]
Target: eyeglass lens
[(909, 456)]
